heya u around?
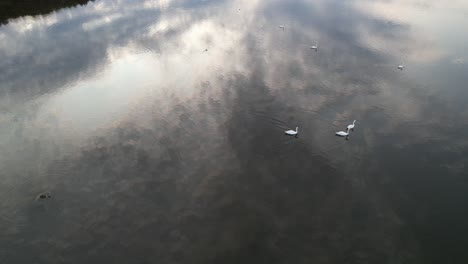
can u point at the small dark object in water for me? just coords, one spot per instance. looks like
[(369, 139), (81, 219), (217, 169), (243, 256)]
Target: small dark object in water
[(43, 196), (206, 49)]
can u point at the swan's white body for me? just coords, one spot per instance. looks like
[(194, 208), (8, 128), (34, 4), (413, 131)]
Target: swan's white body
[(350, 127), (292, 132), (342, 133), (282, 27), (314, 47), (401, 67)]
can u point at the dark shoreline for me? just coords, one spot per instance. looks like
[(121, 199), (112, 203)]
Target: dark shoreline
[(10, 9)]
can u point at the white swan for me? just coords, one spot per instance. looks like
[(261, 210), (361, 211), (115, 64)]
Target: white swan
[(351, 127), (314, 47), (342, 133), (282, 27), (401, 67), (292, 132)]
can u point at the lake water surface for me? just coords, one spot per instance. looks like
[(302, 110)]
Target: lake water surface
[(158, 129)]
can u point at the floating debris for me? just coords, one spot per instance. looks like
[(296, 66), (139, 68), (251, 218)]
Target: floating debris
[(44, 196)]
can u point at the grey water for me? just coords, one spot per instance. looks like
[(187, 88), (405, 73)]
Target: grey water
[(157, 130)]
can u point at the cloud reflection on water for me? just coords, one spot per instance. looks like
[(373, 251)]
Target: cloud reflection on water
[(116, 105)]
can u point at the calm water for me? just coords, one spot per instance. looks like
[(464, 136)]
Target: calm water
[(157, 126)]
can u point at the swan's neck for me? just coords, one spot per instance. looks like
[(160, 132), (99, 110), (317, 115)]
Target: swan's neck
[(297, 129), (354, 122)]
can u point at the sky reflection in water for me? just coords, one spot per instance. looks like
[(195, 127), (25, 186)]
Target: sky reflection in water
[(158, 127)]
